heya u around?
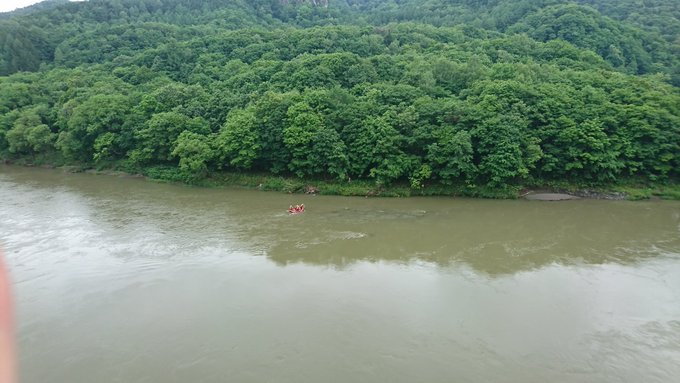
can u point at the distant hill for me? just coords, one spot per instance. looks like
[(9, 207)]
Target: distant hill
[(491, 94), (640, 39)]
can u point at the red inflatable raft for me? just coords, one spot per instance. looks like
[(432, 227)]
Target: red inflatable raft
[(297, 209)]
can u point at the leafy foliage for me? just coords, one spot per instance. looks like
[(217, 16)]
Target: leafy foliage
[(486, 94)]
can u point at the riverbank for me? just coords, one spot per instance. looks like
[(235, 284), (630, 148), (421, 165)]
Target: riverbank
[(293, 185), (364, 188)]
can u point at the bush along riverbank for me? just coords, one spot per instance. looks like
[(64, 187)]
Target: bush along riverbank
[(293, 185), (365, 188), (628, 190)]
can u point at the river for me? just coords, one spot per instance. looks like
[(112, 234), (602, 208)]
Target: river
[(117, 279)]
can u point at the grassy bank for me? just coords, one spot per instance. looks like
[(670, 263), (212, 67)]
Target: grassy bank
[(628, 189), (631, 190), (364, 188)]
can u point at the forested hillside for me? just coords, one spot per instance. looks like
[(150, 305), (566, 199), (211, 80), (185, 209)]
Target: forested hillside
[(490, 93)]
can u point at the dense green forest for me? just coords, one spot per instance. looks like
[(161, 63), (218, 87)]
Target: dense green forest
[(493, 93)]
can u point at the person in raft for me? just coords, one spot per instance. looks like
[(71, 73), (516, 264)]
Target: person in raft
[(296, 209)]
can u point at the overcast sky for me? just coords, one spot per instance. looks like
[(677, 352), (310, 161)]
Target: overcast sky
[(10, 5)]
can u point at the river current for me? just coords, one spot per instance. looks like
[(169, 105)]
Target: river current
[(117, 279)]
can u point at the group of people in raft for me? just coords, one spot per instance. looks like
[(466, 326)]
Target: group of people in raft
[(297, 209)]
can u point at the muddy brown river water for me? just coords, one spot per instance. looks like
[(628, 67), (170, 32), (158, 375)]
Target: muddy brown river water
[(121, 280)]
